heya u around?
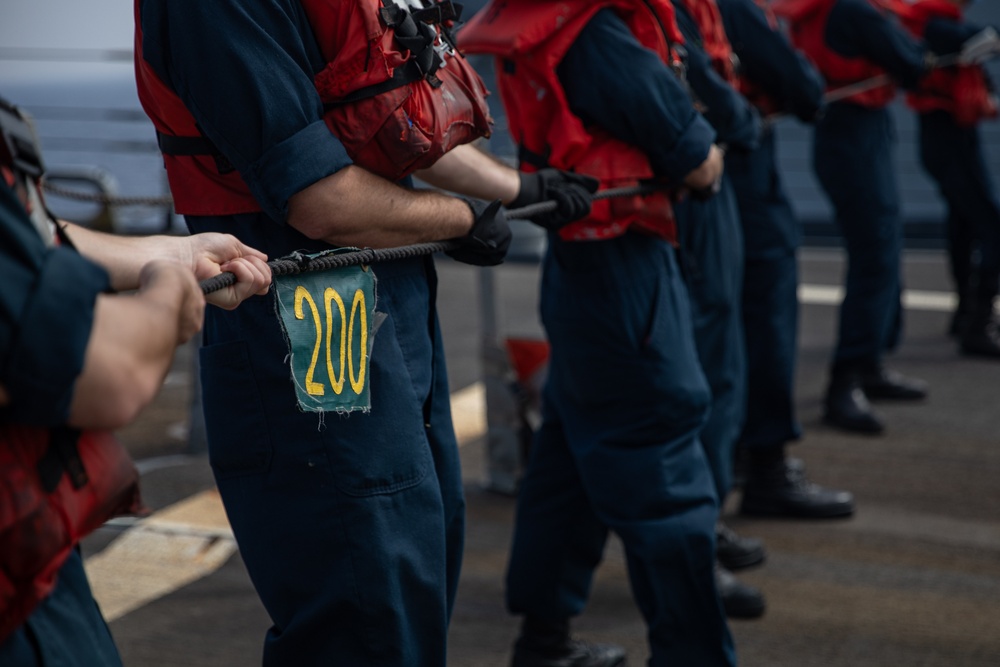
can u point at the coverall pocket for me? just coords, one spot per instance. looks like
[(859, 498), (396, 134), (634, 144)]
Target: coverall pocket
[(235, 420), (385, 450)]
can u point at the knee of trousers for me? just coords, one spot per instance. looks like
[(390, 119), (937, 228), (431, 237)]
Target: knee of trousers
[(682, 540)]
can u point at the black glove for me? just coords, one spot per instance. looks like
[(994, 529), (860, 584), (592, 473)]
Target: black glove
[(571, 192), (488, 240)]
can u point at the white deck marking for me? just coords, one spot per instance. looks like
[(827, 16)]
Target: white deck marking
[(825, 295), (176, 546), (468, 412)]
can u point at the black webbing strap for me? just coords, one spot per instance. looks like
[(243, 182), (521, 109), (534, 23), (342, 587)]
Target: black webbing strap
[(191, 146), (404, 75), (62, 457), (439, 13), (537, 160)]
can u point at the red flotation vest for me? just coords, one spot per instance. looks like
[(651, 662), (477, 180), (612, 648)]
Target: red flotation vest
[(961, 90), (56, 485), (530, 38), (807, 24), (396, 93), (714, 41)]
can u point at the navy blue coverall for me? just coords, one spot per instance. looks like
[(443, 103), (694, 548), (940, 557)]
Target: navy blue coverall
[(953, 156), (46, 314), (852, 157), (625, 396), (711, 240), (351, 526), (770, 230)]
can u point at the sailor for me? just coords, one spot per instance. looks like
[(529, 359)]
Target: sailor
[(863, 54), (950, 104)]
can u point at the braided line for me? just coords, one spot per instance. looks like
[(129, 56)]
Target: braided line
[(365, 256)]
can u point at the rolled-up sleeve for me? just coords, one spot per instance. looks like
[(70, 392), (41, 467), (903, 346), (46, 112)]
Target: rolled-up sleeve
[(769, 60), (615, 83), (294, 164), (257, 57)]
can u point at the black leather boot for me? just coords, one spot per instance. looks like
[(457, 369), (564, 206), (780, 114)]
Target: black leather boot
[(735, 552), (959, 319), (882, 383), (778, 486), (548, 644), (981, 337), (846, 405), (739, 600)]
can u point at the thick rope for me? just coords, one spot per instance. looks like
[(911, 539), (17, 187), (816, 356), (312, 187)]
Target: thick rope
[(303, 264)]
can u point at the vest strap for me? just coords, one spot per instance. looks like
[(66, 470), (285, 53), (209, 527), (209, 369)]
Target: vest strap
[(407, 74), (537, 160), (191, 146)]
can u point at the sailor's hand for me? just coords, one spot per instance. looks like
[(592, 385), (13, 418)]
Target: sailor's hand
[(210, 254), (173, 286), (573, 194), (706, 179), (979, 48), (487, 242)]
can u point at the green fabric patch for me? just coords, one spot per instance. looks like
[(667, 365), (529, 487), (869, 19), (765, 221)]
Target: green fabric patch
[(328, 318)]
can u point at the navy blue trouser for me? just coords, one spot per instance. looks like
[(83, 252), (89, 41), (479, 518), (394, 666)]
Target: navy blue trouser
[(618, 448), (852, 156), (953, 156), (351, 526), (770, 294), (711, 254), (66, 630)]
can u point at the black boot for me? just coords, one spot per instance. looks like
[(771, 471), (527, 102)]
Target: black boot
[(739, 600), (981, 337), (959, 319), (735, 552), (847, 406), (548, 644), (885, 384), (777, 486)]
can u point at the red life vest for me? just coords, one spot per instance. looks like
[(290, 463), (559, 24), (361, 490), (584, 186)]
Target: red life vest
[(59, 486), (56, 485), (807, 24), (713, 35), (395, 93), (961, 90), (530, 38), (766, 104)]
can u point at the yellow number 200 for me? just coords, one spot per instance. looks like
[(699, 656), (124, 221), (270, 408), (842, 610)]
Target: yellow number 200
[(346, 357)]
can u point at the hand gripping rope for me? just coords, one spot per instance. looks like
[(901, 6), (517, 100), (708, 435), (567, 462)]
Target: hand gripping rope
[(287, 267)]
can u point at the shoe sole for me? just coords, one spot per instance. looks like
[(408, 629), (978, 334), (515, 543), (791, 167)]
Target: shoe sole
[(744, 611), (979, 354), (875, 396), (734, 564), (853, 428), (774, 510)]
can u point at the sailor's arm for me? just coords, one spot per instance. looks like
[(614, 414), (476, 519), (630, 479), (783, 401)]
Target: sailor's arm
[(131, 345), (651, 108), (354, 207), (473, 173), (209, 254)]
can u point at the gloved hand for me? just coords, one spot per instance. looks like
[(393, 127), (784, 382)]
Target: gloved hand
[(571, 192), (979, 48), (488, 240)]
